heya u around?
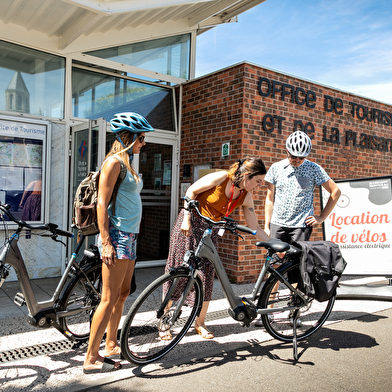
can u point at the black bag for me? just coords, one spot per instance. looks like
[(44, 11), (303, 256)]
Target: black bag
[(85, 202), (321, 268)]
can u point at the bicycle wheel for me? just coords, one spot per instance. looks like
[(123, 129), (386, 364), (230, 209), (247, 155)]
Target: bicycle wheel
[(81, 298), (275, 294), (148, 319)]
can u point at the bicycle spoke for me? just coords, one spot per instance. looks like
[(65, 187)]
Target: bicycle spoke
[(312, 314), (149, 330), (80, 299)]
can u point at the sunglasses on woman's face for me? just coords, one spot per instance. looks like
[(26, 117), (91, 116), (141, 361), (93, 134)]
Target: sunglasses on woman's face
[(141, 139), (294, 157)]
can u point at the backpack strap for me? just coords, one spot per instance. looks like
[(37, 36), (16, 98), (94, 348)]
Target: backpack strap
[(120, 178)]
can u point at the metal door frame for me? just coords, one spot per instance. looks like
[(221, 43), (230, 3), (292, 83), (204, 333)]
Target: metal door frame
[(87, 125), (168, 138), (171, 139), (158, 137)]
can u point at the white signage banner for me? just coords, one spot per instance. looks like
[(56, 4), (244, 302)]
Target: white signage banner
[(361, 224), (23, 130)]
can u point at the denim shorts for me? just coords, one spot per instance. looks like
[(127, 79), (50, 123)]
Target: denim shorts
[(124, 243)]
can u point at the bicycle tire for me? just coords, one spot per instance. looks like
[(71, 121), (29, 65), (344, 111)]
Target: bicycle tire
[(280, 326), (80, 294), (139, 340)]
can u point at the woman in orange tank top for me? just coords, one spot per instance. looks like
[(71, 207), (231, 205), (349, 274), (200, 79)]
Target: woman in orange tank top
[(219, 194)]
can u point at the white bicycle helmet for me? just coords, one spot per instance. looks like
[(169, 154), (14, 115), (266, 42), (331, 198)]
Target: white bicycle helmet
[(298, 144)]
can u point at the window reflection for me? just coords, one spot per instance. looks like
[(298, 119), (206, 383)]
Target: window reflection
[(168, 55), (32, 81), (96, 95)]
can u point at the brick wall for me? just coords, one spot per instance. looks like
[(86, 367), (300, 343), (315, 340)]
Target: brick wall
[(256, 109)]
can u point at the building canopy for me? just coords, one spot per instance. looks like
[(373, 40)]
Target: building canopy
[(69, 26)]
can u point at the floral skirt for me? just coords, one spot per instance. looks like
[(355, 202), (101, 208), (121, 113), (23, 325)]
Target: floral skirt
[(179, 244)]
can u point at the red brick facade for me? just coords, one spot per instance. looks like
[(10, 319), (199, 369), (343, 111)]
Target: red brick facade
[(255, 109)]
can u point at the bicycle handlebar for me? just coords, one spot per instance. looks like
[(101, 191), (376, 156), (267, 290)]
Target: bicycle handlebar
[(246, 229), (228, 223), (53, 228)]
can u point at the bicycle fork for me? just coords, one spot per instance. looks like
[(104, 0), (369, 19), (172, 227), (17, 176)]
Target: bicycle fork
[(172, 317)]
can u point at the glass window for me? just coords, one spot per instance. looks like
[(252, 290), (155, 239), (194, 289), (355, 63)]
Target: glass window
[(22, 168), (155, 165), (168, 56), (96, 95), (32, 82)]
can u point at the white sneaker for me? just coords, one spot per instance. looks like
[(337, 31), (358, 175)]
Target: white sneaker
[(259, 321)]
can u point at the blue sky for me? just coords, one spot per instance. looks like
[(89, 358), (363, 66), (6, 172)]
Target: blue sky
[(344, 44)]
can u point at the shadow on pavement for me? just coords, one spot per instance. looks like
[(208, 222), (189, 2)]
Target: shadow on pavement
[(327, 339)]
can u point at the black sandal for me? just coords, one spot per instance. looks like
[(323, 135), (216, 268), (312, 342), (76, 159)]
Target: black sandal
[(107, 366)]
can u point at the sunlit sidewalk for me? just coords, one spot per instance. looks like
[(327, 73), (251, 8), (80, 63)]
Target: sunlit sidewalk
[(62, 370)]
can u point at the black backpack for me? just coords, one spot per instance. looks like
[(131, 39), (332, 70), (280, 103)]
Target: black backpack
[(321, 267), (84, 215)]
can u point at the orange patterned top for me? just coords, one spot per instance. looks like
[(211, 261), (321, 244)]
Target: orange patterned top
[(214, 203)]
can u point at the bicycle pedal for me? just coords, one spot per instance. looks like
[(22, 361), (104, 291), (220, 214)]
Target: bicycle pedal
[(19, 299)]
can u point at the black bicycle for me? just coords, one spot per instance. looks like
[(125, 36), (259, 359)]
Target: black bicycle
[(77, 295), (173, 301)]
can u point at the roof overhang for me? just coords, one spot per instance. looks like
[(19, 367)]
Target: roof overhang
[(76, 26)]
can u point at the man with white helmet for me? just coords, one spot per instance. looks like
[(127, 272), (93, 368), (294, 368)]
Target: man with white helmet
[(289, 211)]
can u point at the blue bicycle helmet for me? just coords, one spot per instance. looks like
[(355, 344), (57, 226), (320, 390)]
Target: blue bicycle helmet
[(131, 122)]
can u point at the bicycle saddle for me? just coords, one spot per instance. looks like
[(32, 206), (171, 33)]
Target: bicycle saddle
[(275, 245)]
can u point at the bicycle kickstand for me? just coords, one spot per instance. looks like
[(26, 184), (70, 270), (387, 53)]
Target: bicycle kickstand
[(295, 346)]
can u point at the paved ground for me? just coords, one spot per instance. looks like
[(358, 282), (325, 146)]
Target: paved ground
[(352, 355), (356, 338)]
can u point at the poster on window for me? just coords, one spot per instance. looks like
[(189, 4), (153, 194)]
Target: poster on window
[(361, 224), (22, 162), (166, 173)]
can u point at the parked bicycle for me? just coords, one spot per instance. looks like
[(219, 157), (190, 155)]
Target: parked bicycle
[(77, 294), (280, 301)]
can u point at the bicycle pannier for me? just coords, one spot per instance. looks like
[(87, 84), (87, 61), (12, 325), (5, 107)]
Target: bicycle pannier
[(85, 201), (321, 268)]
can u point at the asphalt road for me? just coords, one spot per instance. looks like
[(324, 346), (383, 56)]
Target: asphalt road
[(352, 355)]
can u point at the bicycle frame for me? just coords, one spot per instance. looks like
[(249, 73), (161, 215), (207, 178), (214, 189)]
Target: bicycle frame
[(11, 255), (240, 308), (157, 311)]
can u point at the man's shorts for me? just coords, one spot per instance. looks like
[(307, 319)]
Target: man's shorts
[(289, 234)]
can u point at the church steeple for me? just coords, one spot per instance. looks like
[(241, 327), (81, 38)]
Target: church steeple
[(17, 97)]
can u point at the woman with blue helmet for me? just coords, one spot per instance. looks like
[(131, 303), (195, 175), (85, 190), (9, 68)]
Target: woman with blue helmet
[(123, 123), (117, 238)]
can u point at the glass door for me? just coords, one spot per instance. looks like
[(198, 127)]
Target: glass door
[(157, 166), (88, 149)]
